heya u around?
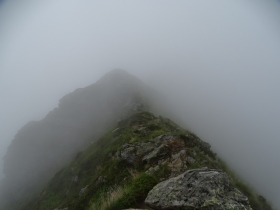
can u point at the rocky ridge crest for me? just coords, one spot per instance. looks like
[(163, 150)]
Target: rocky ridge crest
[(147, 162), (66, 162)]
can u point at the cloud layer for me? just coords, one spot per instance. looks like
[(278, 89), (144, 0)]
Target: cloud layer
[(217, 63)]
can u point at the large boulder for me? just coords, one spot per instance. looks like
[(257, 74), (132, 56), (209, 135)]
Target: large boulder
[(197, 189)]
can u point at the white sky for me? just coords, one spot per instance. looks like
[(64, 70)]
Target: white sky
[(217, 61)]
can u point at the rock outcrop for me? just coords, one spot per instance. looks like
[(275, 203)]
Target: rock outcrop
[(201, 188), (175, 151)]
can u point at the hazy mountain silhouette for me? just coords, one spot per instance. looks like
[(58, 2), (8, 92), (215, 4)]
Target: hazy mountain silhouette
[(43, 147)]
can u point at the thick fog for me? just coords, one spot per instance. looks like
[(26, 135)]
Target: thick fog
[(216, 62)]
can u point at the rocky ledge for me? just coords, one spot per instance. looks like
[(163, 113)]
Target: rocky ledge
[(200, 188)]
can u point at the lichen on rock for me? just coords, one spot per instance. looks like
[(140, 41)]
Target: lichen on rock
[(201, 188)]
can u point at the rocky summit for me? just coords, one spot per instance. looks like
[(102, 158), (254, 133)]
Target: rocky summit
[(103, 149)]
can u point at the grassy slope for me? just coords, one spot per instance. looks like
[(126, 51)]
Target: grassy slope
[(113, 184)]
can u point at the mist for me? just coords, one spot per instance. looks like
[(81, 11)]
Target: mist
[(216, 63)]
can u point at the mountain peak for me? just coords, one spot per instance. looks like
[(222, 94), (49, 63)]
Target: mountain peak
[(116, 72), (119, 76), (40, 150)]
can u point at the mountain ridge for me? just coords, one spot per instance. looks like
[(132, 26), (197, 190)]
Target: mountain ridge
[(124, 167), (41, 148)]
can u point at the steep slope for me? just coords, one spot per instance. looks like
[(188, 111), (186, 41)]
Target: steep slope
[(42, 148), (124, 166)]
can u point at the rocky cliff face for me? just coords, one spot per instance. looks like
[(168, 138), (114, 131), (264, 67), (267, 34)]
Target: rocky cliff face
[(42, 148)]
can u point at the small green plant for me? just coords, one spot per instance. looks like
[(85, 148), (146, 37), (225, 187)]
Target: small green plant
[(107, 198)]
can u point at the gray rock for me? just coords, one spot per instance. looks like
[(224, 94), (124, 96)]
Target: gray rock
[(195, 151), (152, 170), (177, 163), (82, 191), (190, 160), (151, 151), (128, 153), (156, 154), (131, 152), (75, 178), (182, 153), (145, 148), (101, 179), (197, 189), (198, 142), (165, 138)]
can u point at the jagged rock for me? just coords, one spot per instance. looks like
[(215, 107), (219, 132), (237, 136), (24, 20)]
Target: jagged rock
[(101, 180), (150, 150), (177, 163), (152, 170), (164, 138), (197, 189), (145, 148), (156, 154), (180, 154), (190, 160), (166, 149), (75, 178), (194, 153), (83, 190), (128, 153), (198, 142)]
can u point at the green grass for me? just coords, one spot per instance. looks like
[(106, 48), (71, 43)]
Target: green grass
[(135, 193)]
